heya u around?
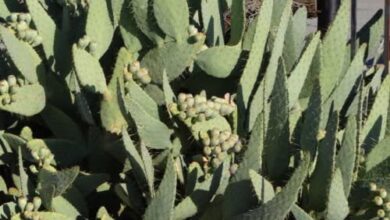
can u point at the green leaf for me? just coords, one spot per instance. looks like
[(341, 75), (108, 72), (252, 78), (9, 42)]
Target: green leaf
[(172, 17), (278, 207), (28, 63), (44, 216), (99, 26), (263, 189), (162, 205), (29, 100), (172, 57), (131, 35), (211, 11), (145, 20), (378, 154), (266, 86), (111, 113), (321, 178), (333, 49), (295, 38), (89, 72), (45, 25), (250, 75), (152, 131), (301, 70), (276, 146), (346, 157), (240, 188), (337, 207), (62, 125), (219, 61), (299, 213), (238, 21)]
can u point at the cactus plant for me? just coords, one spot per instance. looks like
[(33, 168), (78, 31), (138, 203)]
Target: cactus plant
[(159, 109)]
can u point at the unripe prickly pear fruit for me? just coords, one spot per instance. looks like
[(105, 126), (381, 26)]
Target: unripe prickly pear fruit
[(181, 98), (214, 132), (215, 163), (37, 41), (183, 106), (135, 66), (127, 76), (183, 116), (33, 169), (190, 101), (381, 213), (207, 151), (4, 87), (35, 155), (191, 112), (146, 79), (29, 207), (22, 202), (217, 150), (225, 146), (92, 47), (83, 42), (13, 17), (237, 147), (27, 18), (30, 35), (233, 168), (37, 202), (6, 99), (21, 26), (214, 141), (13, 98), (201, 117), (221, 156), (192, 30), (12, 81), (378, 200), (386, 206), (43, 152), (373, 187), (383, 193)]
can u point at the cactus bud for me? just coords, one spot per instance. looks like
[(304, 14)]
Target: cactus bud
[(386, 206), (207, 151), (215, 163), (146, 79), (381, 213), (29, 207), (13, 18), (37, 202), (83, 42), (382, 193), (22, 202), (92, 47), (192, 30), (135, 66), (373, 187), (181, 98), (33, 169), (233, 168), (378, 200), (21, 26), (6, 100), (12, 81), (190, 101), (237, 147), (4, 87)]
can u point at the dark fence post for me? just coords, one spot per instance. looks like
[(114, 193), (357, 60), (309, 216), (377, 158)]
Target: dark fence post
[(327, 11)]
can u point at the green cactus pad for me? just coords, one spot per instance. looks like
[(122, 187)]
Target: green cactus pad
[(89, 72), (30, 100), (172, 57), (219, 61), (44, 216), (172, 17)]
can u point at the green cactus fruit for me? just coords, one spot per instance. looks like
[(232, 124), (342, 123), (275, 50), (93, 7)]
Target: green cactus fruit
[(181, 98), (192, 30), (21, 26), (13, 17), (206, 141), (207, 151), (12, 81), (183, 106), (37, 41), (21, 82), (237, 147), (191, 112), (33, 168), (381, 213), (30, 35), (386, 206), (382, 193), (215, 162), (146, 79), (182, 116), (225, 146), (217, 150), (127, 76), (13, 90), (201, 117), (378, 200), (233, 168), (92, 47), (37, 202), (4, 87), (134, 66), (214, 140), (373, 187), (221, 156), (6, 99), (35, 155), (43, 152), (29, 207), (22, 202), (83, 42), (13, 98)]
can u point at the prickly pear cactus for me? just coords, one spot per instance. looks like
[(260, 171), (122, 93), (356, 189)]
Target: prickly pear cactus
[(159, 109)]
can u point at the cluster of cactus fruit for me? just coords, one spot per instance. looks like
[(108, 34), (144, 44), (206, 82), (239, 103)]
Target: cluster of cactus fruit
[(21, 23), (135, 109)]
